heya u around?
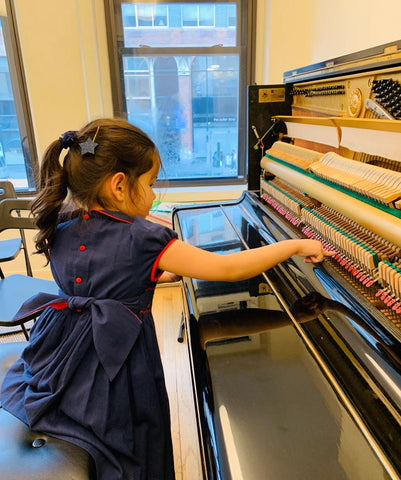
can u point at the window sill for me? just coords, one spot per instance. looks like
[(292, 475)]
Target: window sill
[(200, 194)]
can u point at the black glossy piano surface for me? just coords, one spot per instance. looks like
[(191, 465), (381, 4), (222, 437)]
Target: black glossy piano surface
[(295, 374)]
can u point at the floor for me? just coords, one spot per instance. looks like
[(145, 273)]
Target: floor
[(167, 310)]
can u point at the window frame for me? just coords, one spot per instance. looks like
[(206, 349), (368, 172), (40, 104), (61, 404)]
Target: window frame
[(21, 98), (245, 48)]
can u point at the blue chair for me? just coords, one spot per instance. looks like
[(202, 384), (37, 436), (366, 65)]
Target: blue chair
[(15, 289), (10, 248)]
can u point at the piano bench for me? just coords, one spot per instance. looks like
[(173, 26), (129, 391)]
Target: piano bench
[(28, 455)]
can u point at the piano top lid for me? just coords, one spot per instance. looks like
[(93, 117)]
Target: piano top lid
[(381, 56)]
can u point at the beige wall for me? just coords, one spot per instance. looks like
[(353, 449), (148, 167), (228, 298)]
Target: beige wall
[(65, 59), (346, 26), (294, 33), (282, 43)]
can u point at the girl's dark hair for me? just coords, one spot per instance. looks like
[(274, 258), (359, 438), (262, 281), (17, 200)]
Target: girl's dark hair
[(121, 147)]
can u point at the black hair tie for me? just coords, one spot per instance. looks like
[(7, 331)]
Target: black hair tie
[(68, 139)]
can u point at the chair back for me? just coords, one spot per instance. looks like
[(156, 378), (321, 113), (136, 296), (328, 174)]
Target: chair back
[(15, 213), (7, 190)]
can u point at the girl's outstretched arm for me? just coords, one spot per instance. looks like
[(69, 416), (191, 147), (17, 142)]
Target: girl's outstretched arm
[(189, 261)]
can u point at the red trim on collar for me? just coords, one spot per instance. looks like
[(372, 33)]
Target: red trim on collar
[(111, 216), (153, 276)]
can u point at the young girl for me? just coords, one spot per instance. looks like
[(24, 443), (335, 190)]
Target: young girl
[(91, 373)]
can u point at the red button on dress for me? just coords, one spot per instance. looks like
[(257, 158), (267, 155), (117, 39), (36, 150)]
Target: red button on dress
[(82, 248), (78, 280)]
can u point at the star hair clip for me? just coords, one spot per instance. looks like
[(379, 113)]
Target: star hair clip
[(89, 145)]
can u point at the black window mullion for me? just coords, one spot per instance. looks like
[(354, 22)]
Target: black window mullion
[(143, 51)]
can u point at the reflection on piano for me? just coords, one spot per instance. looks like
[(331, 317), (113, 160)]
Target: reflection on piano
[(297, 372)]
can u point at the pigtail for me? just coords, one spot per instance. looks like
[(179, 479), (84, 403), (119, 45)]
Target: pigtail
[(53, 191)]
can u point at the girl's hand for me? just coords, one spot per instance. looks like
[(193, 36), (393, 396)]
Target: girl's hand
[(313, 251), (169, 277)]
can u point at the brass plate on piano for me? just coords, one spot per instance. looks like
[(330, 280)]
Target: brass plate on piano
[(267, 95), (355, 102)]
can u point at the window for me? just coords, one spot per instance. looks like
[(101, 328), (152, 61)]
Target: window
[(16, 140), (181, 70), (198, 15), (144, 16)]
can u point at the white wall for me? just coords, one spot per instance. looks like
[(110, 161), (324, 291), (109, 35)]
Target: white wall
[(295, 33)]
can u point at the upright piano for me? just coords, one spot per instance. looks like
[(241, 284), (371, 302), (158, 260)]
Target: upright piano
[(297, 372)]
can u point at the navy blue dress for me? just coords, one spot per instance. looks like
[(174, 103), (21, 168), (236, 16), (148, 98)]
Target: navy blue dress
[(92, 373)]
